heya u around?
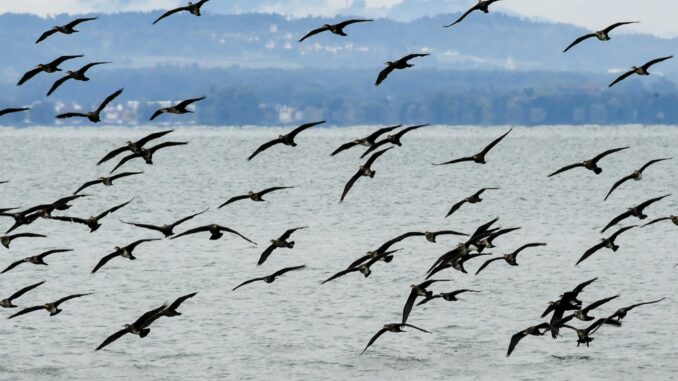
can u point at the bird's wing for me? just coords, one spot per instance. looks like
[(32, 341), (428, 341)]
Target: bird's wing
[(29, 74), (63, 59), (113, 209), (357, 263), (142, 142), (656, 61), (657, 220), (229, 230), (548, 310), (69, 297), (529, 245), (515, 339), (71, 115), (58, 83), (374, 338), (170, 13), (124, 174), (494, 143), (113, 154), (24, 290), (183, 104), (133, 245), (598, 303), (180, 300), (264, 256), (125, 160), (651, 162), (408, 305), (373, 137), (608, 152), (108, 100), (84, 69), (264, 147), (590, 252), (247, 282), (596, 325), (192, 231), (620, 231), (234, 199), (618, 183), (165, 145), (340, 274), (113, 338), (346, 23), (269, 190), (622, 77), (76, 220), (578, 40), (415, 327), (408, 129), (580, 287), (314, 32), (289, 233), (181, 221), (566, 168), (13, 110), (286, 270), (449, 232), (303, 127), (13, 265), (487, 263), (104, 260), (651, 201), (456, 207), (344, 147), (87, 185), (616, 25), (149, 317), (75, 22), (144, 226), (384, 74), (629, 308), (26, 311), (349, 184), (45, 35), (455, 161), (460, 19), (375, 156), (157, 113), (373, 147), (414, 55), (50, 252)]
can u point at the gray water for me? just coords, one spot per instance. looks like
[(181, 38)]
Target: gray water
[(295, 329)]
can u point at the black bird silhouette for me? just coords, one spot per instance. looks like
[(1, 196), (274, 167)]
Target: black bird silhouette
[(393, 139), (337, 29), (673, 219), (364, 268), (605, 243), (13, 110), (446, 296), (78, 75), (621, 313), (568, 301), (510, 258), (483, 6), (456, 263), (636, 211), (287, 140), (65, 29), (139, 327), (602, 35), (636, 175), (107, 181), (487, 242), (171, 310), (380, 255), (584, 334), (191, 8), (36, 259), (215, 231), (147, 154), (166, 230), (125, 252), (92, 222), (531, 331), (52, 308), (30, 215), (430, 236), (478, 158), (417, 291), (270, 278), (51, 67), (7, 303), (474, 199), (583, 313), (365, 170), (134, 147), (642, 70), (178, 109), (393, 327), (397, 65), (7, 239), (367, 141), (254, 196), (591, 165), (93, 116), (279, 243)]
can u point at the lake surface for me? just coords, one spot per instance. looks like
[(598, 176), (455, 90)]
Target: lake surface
[(295, 329)]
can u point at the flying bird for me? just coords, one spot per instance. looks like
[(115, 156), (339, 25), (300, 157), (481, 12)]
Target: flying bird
[(393, 327), (584, 334), (642, 70), (191, 8), (478, 158), (93, 116), (397, 65), (65, 29), (134, 147), (78, 75), (254, 196), (365, 170), (139, 327), (636, 211), (417, 291), (51, 67), (7, 303), (125, 252), (362, 268), (178, 109), (215, 231), (279, 243), (621, 313), (673, 219), (636, 175), (30, 215), (368, 141), (52, 308), (510, 258), (531, 331), (474, 199), (446, 296), (337, 29), (605, 243), (171, 310), (583, 313), (287, 140), (483, 6), (602, 35), (7, 240), (12, 110), (393, 139), (107, 181), (166, 230), (568, 301), (92, 222), (271, 278), (147, 154), (591, 165), (36, 259)]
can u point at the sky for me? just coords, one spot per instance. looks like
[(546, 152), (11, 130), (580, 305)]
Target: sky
[(657, 16)]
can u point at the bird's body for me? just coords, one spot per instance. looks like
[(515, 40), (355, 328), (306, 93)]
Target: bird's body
[(106, 181), (216, 232), (92, 222), (531, 331), (609, 243), (52, 308), (65, 29), (337, 29), (394, 327), (473, 199), (399, 64), (637, 175), (36, 259), (51, 67), (178, 109), (482, 6), (287, 139), (591, 165), (279, 243), (124, 252), (92, 116), (134, 147), (478, 158), (511, 258), (271, 278), (367, 141), (78, 75), (601, 35), (637, 211), (7, 303), (147, 154), (365, 170), (167, 229), (640, 70), (254, 196), (192, 8)]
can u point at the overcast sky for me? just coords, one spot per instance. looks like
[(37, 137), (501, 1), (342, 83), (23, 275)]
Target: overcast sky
[(657, 16)]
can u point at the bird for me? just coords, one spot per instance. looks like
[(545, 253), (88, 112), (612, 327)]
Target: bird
[(636, 211), (134, 147), (52, 308), (13, 110), (365, 170), (642, 70), (366, 141), (393, 327), (591, 165), (166, 230), (621, 313), (92, 116), (478, 158), (7, 239), (178, 109), (673, 219), (7, 303), (399, 64), (337, 29), (567, 302), (474, 199), (279, 243), (446, 296), (456, 263), (393, 139), (254, 196), (124, 251), (430, 236), (636, 175), (605, 243), (363, 268), (510, 258), (30, 215), (583, 313), (36, 259), (192, 8), (531, 331), (418, 290), (602, 35), (78, 75), (147, 154), (92, 222), (287, 139), (215, 231), (139, 327), (171, 310), (483, 6), (584, 334), (271, 278), (487, 242), (51, 67), (65, 29), (380, 255), (107, 181)]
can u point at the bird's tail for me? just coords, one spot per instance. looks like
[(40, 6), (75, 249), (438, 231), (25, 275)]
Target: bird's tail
[(144, 332)]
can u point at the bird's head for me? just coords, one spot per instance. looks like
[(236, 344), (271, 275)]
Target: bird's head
[(117, 248), (102, 178), (126, 326), (129, 143), (250, 193), (388, 63), (327, 26)]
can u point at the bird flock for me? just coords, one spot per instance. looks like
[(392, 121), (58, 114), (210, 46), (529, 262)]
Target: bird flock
[(377, 147)]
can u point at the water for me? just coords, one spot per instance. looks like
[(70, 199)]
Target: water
[(297, 329)]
